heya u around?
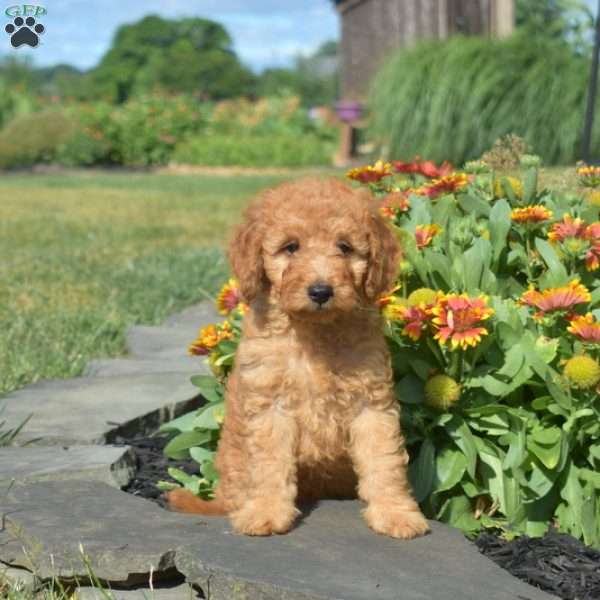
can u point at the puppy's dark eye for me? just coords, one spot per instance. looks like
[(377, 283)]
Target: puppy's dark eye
[(345, 247), (291, 247)]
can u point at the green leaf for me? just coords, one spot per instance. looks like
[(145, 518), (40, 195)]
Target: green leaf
[(557, 269), (513, 361), (451, 466), (457, 512), (499, 224), (201, 455), (178, 447), (509, 191), (210, 417), (421, 367), (189, 482), (517, 453), (209, 387), (474, 205), (546, 348), (530, 181), (557, 393), (410, 390), (462, 436), (422, 471), (183, 423)]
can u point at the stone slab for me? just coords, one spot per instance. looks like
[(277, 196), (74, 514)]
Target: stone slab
[(330, 555), (178, 592), (113, 465), (21, 579), (109, 367), (125, 537), (96, 410), (145, 341), (194, 317)]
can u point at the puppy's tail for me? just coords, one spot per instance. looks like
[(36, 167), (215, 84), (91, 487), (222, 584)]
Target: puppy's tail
[(181, 500)]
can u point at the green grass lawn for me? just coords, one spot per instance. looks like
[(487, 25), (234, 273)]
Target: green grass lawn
[(84, 255)]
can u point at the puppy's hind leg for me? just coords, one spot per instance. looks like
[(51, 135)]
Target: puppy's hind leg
[(269, 506)]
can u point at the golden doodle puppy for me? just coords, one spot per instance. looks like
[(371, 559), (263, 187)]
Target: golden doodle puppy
[(310, 408)]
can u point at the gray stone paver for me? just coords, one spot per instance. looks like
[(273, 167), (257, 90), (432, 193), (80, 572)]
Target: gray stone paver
[(145, 341), (54, 501), (22, 579), (114, 465), (87, 410), (109, 367), (178, 592), (194, 317), (331, 555)]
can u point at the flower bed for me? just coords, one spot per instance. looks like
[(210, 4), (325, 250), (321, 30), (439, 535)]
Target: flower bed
[(158, 129), (494, 339)]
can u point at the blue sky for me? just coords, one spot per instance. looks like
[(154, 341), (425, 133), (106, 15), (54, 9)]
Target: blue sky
[(265, 32)]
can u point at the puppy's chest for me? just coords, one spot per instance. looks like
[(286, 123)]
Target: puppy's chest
[(308, 382)]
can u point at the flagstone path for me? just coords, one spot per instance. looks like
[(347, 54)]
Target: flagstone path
[(60, 501)]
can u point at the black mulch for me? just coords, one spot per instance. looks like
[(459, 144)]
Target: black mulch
[(557, 563), (152, 466)]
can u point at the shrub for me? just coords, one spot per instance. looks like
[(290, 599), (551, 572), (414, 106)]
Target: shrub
[(154, 129), (269, 132), (34, 138), (495, 342), (452, 99), (255, 150)]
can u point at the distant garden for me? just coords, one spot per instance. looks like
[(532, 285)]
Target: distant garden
[(169, 91), (174, 91)]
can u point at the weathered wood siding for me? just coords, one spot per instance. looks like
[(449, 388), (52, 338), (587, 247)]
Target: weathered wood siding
[(373, 28)]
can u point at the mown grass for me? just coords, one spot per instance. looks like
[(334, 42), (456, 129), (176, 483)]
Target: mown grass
[(85, 255)]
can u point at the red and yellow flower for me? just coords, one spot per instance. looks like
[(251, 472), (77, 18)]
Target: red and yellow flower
[(449, 184), (209, 338), (425, 233), (586, 328), (229, 297), (371, 173), (555, 299), (427, 168), (592, 257), (393, 204), (458, 320), (568, 228), (589, 176), (415, 319), (531, 214)]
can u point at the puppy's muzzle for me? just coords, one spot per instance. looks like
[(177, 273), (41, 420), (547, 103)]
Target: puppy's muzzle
[(320, 293)]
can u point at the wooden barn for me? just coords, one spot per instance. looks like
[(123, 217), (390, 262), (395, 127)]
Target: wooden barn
[(372, 28)]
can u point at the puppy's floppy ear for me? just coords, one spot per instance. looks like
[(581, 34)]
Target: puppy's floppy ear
[(245, 254), (384, 256)]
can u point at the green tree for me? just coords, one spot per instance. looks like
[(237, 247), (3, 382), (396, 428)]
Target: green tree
[(571, 20), (185, 55), (314, 77)]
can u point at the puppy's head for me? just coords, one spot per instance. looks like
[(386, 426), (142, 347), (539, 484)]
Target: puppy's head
[(315, 247)]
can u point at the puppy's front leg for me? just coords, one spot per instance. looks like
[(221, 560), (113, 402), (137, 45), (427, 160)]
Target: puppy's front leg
[(380, 461), (270, 505)]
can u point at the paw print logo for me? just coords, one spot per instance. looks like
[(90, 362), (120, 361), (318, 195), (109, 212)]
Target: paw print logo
[(24, 32)]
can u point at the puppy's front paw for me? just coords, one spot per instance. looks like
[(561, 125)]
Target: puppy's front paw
[(390, 518), (264, 518)]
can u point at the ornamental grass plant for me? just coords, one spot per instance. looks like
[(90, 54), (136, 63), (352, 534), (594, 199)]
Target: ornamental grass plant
[(452, 99), (494, 331)]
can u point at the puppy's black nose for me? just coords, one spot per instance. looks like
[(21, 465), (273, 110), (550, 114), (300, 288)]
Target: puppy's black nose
[(320, 293)]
